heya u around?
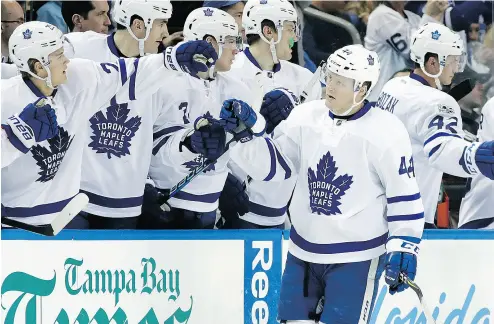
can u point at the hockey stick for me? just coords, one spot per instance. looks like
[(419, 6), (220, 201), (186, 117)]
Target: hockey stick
[(461, 90), (410, 283), (206, 163), (316, 77), (61, 220)]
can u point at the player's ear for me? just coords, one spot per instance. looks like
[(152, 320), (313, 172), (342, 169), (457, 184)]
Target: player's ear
[(268, 32), (77, 20), (38, 69)]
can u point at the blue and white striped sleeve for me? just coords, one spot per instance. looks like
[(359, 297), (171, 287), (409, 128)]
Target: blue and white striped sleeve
[(441, 132), (405, 211), (129, 79), (270, 158)]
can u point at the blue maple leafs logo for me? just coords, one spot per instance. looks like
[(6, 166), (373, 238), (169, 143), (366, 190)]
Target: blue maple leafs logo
[(370, 59), (27, 34), (113, 132), (190, 165), (49, 159), (435, 35), (208, 12), (325, 191)]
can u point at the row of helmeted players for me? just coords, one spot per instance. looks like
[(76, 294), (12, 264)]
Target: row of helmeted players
[(349, 165)]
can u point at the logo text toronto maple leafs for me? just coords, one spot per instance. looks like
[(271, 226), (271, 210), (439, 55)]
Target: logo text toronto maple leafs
[(49, 159), (325, 189), (113, 132)]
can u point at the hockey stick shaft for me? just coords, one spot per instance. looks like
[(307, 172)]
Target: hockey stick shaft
[(258, 95), (315, 78), (410, 283), (461, 90)]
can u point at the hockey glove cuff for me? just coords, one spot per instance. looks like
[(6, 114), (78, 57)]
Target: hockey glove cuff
[(484, 158)]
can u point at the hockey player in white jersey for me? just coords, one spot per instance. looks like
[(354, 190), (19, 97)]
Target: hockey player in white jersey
[(119, 138), (355, 211), (176, 150), (272, 29), (389, 34), (45, 177), (433, 117), (477, 207)]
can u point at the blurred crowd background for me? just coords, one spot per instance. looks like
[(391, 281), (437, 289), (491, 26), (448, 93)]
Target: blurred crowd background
[(327, 26)]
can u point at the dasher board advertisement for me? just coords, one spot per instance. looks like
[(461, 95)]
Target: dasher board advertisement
[(141, 277)]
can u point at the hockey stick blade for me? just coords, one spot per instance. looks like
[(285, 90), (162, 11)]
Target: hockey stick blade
[(410, 283), (74, 207), (461, 90)]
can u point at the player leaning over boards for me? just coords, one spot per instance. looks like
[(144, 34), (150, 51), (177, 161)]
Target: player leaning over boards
[(44, 172), (354, 212), (271, 28), (477, 207), (177, 143), (433, 117), (119, 139)]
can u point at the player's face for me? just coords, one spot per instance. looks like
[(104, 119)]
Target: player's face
[(451, 67), (228, 51), (288, 38), (58, 67), (339, 92), (159, 30), (97, 19), (236, 12)]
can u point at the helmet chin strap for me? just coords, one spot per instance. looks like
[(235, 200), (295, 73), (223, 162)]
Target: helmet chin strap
[(355, 104), (272, 44), (435, 76), (140, 41), (47, 80)]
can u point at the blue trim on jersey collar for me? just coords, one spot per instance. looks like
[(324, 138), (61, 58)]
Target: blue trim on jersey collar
[(420, 79), (113, 46), (364, 110), (248, 54), (34, 89)]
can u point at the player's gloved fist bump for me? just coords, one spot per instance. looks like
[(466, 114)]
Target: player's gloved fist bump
[(36, 123), (484, 158), (276, 106), (233, 199), (397, 263), (208, 139), (191, 57)]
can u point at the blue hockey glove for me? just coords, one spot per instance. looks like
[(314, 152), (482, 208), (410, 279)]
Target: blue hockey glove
[(484, 158), (191, 57), (36, 123), (208, 140), (395, 264), (233, 201), (276, 106), (238, 118)]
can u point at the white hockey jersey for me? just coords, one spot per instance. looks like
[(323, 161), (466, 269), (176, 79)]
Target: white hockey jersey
[(352, 197), (268, 200), (118, 144), (171, 162), (433, 121), (389, 35), (477, 208), (9, 70), (41, 182)]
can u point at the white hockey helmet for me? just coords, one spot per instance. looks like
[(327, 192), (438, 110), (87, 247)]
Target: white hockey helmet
[(148, 10), (35, 40), (214, 22), (357, 63), (437, 39), (276, 11)]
